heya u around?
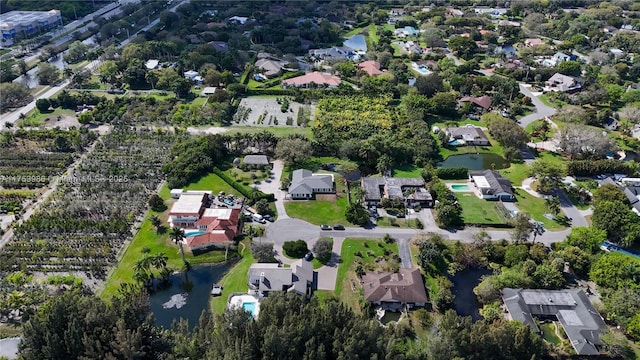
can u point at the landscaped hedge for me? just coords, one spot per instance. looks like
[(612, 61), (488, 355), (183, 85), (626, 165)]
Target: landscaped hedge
[(241, 188), (295, 249), (452, 173), (597, 167)]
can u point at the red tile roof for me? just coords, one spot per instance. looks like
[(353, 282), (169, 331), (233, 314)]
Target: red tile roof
[(370, 67), (315, 77), (217, 230)]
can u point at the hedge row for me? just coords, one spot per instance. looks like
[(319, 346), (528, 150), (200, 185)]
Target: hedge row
[(241, 188), (452, 173), (597, 167)]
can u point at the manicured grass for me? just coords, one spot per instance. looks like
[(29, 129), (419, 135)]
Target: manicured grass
[(373, 33), (354, 31), (478, 211), (399, 223), (407, 171), (536, 208), (346, 277), (549, 333), (516, 173), (319, 212), (236, 279), (36, 118), (529, 129), (213, 183)]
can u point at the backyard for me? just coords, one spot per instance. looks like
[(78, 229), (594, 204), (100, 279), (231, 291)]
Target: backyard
[(373, 254), (325, 209), (235, 280)]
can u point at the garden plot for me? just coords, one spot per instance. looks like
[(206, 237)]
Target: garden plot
[(273, 111), (87, 220)]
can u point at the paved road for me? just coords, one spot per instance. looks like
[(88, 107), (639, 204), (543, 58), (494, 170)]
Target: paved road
[(570, 210), (273, 187), (405, 253), (542, 110), (9, 347)]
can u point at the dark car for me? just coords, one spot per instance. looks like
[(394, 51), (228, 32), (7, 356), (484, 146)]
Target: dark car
[(268, 218), (308, 256), (338, 227), (325, 227)]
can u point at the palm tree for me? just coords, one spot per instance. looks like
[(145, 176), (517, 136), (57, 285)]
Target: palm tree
[(177, 235), (155, 221), (68, 72), (159, 261)]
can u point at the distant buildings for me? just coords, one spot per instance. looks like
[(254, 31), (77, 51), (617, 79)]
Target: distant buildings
[(533, 42), (314, 79), (580, 321), (372, 68), (28, 23), (411, 191), (482, 103), (333, 53), (269, 67)]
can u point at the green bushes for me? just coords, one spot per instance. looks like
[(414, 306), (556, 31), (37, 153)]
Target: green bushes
[(295, 249), (254, 195), (452, 173), (591, 167)]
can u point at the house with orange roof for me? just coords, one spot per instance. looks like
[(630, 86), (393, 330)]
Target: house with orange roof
[(371, 67), (313, 79)]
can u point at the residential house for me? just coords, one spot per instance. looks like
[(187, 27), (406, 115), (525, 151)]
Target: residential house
[(267, 277), (508, 23), (572, 308), (562, 83), (609, 29), (188, 208), (238, 19), (305, 184), (490, 185), (493, 12), (617, 53), (482, 103), (193, 76), (151, 64), (467, 135), (371, 67), (630, 187), (395, 291), (269, 67), (397, 12), (207, 91), (533, 42), (406, 31), (561, 57), (411, 191), (452, 12), (333, 53), (315, 78), (256, 160), (220, 46)]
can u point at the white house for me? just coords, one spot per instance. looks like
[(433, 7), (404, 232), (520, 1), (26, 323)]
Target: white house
[(491, 185), (305, 184)]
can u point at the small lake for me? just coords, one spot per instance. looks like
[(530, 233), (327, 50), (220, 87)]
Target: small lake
[(188, 296), (356, 42), (463, 284), (475, 161)]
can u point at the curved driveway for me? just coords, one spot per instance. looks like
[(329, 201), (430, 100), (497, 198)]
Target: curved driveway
[(542, 110)]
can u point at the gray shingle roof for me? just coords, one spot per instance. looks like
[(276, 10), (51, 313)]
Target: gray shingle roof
[(256, 160), (393, 186), (303, 181), (467, 133), (498, 183), (580, 320)]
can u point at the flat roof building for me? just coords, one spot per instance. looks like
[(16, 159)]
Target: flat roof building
[(28, 23)]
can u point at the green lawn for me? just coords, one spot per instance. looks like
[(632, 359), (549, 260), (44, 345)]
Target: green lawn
[(536, 208), (346, 278), (516, 173), (354, 31), (407, 171), (549, 333), (319, 212), (399, 223), (373, 33), (478, 211), (213, 183), (36, 118), (236, 279)]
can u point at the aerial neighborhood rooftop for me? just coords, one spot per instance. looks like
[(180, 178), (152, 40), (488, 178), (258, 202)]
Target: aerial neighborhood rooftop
[(425, 180)]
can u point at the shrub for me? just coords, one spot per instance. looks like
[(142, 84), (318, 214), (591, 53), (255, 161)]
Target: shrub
[(323, 249), (452, 173), (295, 249)]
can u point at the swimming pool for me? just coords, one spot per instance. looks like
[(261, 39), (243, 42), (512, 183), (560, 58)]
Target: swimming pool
[(457, 142), (459, 187), (249, 307), (423, 70), (194, 233)]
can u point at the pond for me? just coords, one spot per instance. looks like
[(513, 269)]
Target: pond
[(475, 161), (356, 42), (188, 295), (463, 284)]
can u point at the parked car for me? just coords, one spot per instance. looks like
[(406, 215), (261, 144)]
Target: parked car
[(308, 256), (325, 227), (338, 227), (258, 218), (268, 218)]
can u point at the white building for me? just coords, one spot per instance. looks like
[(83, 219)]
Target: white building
[(28, 23)]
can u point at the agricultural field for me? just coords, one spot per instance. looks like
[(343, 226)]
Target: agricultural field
[(31, 158), (273, 111), (87, 220)]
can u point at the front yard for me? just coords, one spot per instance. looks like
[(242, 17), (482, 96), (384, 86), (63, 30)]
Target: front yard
[(319, 212), (373, 255), (478, 211)]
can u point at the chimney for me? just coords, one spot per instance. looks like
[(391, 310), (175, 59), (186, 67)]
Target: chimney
[(262, 277)]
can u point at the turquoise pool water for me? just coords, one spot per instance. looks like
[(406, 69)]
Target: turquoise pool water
[(460, 187), (249, 307), (424, 70), (457, 142), (193, 233)]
